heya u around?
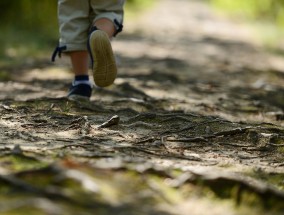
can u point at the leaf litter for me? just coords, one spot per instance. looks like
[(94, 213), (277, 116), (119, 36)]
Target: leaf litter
[(164, 138)]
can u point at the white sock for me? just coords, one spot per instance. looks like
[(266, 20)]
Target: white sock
[(75, 83)]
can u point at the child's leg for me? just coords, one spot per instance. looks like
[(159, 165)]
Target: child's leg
[(106, 25), (74, 23), (75, 19), (80, 59), (81, 88), (80, 62)]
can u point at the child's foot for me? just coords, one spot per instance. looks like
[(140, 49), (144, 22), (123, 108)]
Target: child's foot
[(103, 60), (81, 92)]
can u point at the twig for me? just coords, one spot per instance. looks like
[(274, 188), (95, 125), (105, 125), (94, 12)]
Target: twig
[(193, 139), (141, 117), (175, 118), (191, 126), (178, 114), (75, 124), (232, 132), (168, 156), (85, 129), (141, 124), (235, 144), (84, 145), (275, 144), (150, 139), (50, 108), (112, 121)]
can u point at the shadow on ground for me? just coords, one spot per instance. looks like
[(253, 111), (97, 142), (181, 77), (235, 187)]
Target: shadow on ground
[(192, 119)]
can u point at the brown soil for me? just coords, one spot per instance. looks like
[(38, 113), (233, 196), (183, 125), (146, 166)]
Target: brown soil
[(198, 114)]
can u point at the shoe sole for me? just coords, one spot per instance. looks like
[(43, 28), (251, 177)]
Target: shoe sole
[(104, 65), (78, 98)]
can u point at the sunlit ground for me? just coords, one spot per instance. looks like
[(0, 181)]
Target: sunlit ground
[(195, 71)]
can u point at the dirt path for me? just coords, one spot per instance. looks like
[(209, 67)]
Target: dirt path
[(199, 115)]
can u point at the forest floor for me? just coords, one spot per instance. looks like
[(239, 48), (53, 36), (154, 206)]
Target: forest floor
[(193, 125)]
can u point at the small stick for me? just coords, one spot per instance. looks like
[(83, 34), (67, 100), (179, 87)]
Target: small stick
[(112, 121)]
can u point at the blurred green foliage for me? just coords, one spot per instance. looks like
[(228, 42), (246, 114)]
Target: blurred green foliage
[(29, 15), (263, 10), (134, 5), (27, 27), (266, 17)]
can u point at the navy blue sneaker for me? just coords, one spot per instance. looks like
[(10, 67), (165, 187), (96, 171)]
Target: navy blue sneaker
[(81, 92)]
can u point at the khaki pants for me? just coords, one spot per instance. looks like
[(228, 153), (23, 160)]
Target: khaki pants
[(77, 16)]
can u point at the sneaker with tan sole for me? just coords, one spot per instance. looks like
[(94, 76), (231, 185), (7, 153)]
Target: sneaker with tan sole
[(103, 60), (80, 92)]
